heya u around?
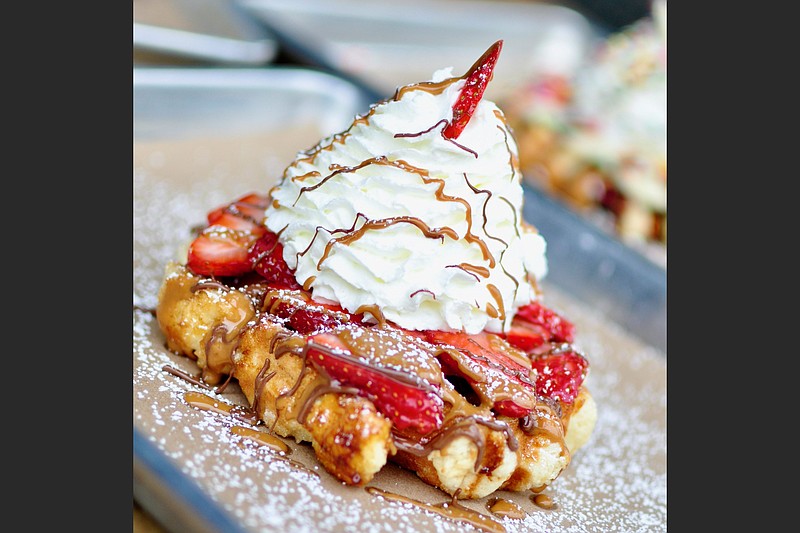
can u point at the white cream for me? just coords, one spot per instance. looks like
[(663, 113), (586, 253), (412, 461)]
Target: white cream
[(372, 174)]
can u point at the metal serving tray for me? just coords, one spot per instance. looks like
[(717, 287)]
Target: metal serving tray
[(208, 32), (205, 136), (386, 44)]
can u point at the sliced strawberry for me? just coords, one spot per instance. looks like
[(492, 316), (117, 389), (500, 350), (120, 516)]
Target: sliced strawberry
[(220, 251), (305, 321), (560, 374), (526, 336), (249, 207), (406, 401), (491, 366), (483, 344), (233, 221), (559, 328), (266, 256), (477, 78), (306, 317), (509, 408)]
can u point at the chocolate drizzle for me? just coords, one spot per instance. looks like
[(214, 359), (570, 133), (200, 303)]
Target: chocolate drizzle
[(187, 377), (466, 426), (452, 510)]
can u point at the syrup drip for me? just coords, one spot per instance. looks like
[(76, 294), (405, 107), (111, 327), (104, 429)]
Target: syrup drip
[(505, 508), (267, 444), (262, 439), (452, 510), (543, 501), (183, 375), (205, 402)]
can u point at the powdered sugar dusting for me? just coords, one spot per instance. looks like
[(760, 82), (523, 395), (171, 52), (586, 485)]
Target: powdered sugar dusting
[(617, 482)]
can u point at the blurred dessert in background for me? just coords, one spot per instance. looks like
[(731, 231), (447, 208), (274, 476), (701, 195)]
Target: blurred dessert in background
[(598, 139)]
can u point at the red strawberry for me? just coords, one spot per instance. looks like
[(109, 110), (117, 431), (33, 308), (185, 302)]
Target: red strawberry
[(560, 374), (222, 247), (250, 207), (526, 336), (233, 221), (492, 368), (477, 78), (266, 256), (509, 408), (306, 321), (408, 402), (559, 328), (220, 251), (307, 317)]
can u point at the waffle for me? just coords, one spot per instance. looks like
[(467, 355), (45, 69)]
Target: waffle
[(235, 329)]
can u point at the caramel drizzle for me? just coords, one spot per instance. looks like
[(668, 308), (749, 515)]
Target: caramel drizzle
[(543, 419), (425, 177), (262, 439), (312, 174), (489, 195), (209, 284), (495, 292), (338, 169), (330, 232), (472, 270), (221, 344), (204, 402), (339, 138), (452, 510), (431, 87), (375, 311), (369, 225), (469, 236), (505, 508), (466, 426), (281, 344), (319, 390)]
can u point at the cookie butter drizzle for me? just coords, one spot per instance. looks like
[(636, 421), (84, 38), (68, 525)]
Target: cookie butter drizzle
[(352, 234), (452, 510), (258, 438)]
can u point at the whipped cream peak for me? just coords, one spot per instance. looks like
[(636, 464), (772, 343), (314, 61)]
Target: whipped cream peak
[(392, 219)]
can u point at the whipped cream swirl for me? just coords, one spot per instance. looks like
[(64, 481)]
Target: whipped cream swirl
[(392, 219)]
